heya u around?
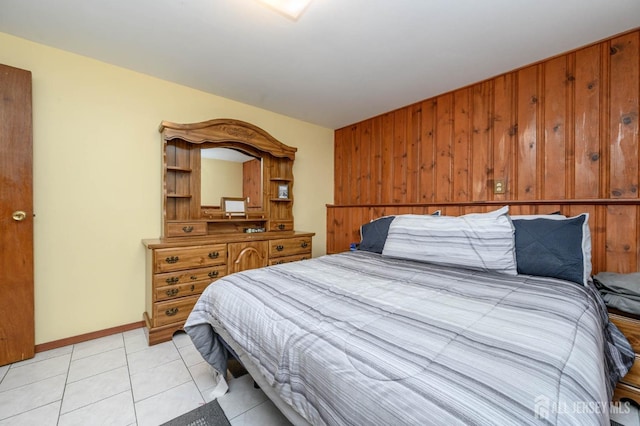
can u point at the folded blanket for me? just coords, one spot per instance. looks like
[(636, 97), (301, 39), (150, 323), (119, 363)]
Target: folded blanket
[(620, 291)]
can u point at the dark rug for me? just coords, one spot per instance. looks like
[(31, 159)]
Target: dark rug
[(209, 414)]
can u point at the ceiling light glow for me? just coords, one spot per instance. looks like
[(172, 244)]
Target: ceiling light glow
[(290, 8)]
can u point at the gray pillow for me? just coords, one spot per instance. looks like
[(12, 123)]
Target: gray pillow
[(481, 241)]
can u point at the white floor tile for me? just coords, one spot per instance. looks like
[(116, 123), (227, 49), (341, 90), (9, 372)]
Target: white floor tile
[(114, 411), (242, 396), (265, 414), (168, 405), (135, 340), (202, 374), (3, 371), (94, 383), (190, 355), (159, 379), (97, 346), (96, 364), (181, 339), (23, 374), (95, 388), (41, 356), (152, 356), (31, 396), (46, 415)]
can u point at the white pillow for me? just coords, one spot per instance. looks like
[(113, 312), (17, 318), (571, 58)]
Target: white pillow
[(480, 241)]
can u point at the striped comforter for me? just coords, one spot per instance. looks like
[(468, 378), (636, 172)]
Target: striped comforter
[(357, 338)]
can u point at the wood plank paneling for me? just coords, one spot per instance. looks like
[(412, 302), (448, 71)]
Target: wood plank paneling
[(624, 84), (481, 131), (461, 147), (527, 156), (444, 147), (427, 164), (555, 124), (505, 130), (586, 104), (562, 129)]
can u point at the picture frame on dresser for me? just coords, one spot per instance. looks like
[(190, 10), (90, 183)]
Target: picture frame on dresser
[(234, 206), (283, 191)]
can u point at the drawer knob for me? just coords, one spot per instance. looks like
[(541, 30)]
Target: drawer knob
[(172, 259), (279, 247), (214, 255), (193, 277), (213, 274), (281, 226), (172, 292), (187, 229), (304, 244), (171, 312), (193, 287), (172, 280), (279, 262)]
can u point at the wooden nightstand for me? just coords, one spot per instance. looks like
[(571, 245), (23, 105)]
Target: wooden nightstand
[(629, 325)]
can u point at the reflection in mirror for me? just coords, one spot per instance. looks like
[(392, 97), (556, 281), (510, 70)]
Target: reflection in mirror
[(230, 173)]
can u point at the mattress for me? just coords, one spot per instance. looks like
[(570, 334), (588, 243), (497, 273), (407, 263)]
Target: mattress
[(359, 338)]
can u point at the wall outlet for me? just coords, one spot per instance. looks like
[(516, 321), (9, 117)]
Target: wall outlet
[(499, 187)]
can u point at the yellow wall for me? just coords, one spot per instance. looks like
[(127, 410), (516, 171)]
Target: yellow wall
[(97, 174)]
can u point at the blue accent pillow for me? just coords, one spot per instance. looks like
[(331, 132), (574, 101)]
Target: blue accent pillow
[(558, 248), (374, 234)]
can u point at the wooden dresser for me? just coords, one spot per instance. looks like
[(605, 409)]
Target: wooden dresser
[(202, 241), (178, 272), (629, 385)]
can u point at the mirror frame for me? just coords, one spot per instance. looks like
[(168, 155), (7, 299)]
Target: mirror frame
[(224, 133)]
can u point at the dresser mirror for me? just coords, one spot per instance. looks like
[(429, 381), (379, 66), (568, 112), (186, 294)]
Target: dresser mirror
[(226, 172)]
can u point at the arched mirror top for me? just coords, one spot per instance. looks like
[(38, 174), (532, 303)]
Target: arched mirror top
[(228, 133)]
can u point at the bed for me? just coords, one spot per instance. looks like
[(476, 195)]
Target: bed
[(383, 336)]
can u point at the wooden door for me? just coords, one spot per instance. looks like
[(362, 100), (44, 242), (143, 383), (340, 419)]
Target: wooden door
[(17, 329), (250, 255)]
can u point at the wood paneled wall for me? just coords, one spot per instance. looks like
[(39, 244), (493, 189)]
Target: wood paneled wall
[(561, 133)]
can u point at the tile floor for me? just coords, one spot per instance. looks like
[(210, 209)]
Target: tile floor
[(119, 380)]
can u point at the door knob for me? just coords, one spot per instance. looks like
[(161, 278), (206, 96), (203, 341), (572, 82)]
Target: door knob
[(19, 215)]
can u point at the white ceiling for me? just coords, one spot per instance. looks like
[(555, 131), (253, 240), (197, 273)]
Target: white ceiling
[(343, 61)]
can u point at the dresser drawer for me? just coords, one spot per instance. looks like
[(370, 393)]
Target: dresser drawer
[(623, 391), (180, 290), (189, 276), (177, 259), (630, 327), (287, 259), (633, 375), (173, 311), (186, 229), (281, 225), (289, 247)]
